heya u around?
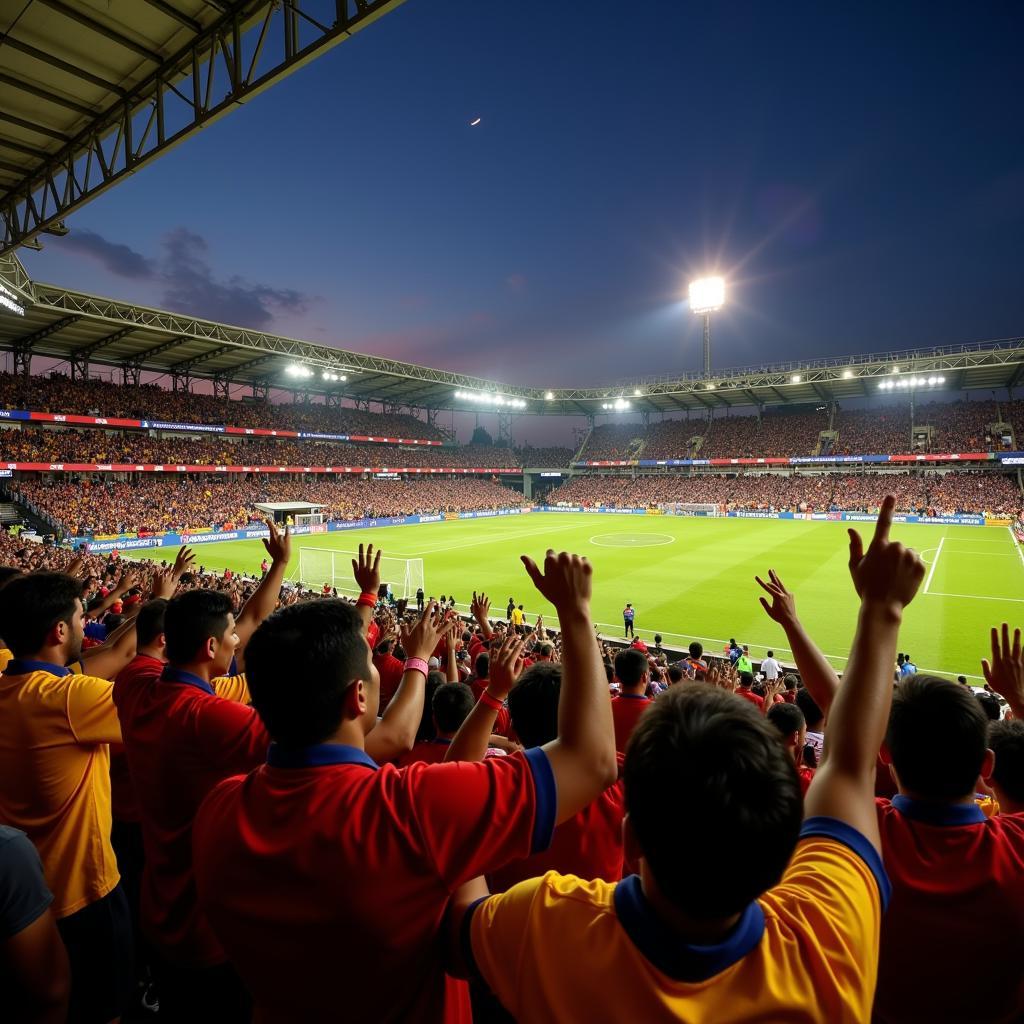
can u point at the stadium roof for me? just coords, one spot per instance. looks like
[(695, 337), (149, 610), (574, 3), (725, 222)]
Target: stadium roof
[(94, 90), (86, 329)]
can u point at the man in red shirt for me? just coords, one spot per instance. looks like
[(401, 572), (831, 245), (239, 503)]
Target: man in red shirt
[(744, 690), (326, 878), (789, 720), (450, 707), (633, 674), (590, 843), (390, 670)]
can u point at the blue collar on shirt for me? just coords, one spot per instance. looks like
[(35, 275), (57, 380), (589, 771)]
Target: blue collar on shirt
[(661, 946), (318, 756), (938, 814), (22, 667), (171, 674), (441, 739), (634, 696)]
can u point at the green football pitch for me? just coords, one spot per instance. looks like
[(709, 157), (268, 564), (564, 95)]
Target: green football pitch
[(694, 578)]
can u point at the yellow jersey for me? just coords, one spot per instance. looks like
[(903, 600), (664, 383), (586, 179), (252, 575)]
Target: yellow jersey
[(5, 656), (517, 616), (232, 688), (55, 728), (559, 948)]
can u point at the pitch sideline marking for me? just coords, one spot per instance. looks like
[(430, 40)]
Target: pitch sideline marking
[(938, 551), (657, 544)]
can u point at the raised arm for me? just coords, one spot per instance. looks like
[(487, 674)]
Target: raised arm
[(366, 570), (818, 675), (264, 597), (479, 608), (451, 664), (472, 739), (395, 733), (583, 755), (1005, 673), (887, 577)]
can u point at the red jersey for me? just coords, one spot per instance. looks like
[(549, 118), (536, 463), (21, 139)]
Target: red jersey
[(428, 751), (390, 670), (756, 699), (806, 776), (626, 710), (327, 877), (181, 740), (588, 845), (952, 936)]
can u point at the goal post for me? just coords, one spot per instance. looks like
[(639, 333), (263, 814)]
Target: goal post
[(318, 566), (694, 508), (310, 519)]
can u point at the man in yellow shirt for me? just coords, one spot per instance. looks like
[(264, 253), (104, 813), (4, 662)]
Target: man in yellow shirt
[(741, 911), (55, 728)]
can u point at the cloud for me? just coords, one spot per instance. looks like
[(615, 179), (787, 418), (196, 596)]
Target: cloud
[(189, 284), (119, 259)]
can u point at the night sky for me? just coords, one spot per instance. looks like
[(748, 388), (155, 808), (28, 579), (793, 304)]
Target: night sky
[(855, 171)]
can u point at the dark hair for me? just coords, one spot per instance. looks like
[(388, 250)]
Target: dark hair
[(771, 654), (533, 703), (451, 705), (630, 666), (746, 679), (1007, 742), (8, 573), (299, 664), (699, 754), (426, 730), (813, 714), (937, 737), (696, 650), (149, 623), (787, 718), (32, 604), (545, 650), (675, 674), (190, 619), (483, 665), (990, 705), (790, 681)]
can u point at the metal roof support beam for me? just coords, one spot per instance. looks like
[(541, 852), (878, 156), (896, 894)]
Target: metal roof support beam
[(260, 390), (102, 30), (333, 400), (79, 359), (221, 386), (130, 373), (187, 89), (44, 332)]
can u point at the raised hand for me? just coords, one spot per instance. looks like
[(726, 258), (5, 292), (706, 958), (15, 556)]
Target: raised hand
[(506, 665), (366, 570), (783, 604), (480, 607), (565, 581), (164, 584), (127, 581), (279, 543), (1005, 673), (420, 639), (183, 562), (888, 573)]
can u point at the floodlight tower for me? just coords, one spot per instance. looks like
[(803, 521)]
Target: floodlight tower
[(707, 296)]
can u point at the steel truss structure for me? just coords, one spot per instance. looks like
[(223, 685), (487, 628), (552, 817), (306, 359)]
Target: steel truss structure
[(67, 150)]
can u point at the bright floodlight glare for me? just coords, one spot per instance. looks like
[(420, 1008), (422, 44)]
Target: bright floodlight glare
[(7, 301), (795, 378), (847, 374), (706, 295), (549, 395), (636, 392)]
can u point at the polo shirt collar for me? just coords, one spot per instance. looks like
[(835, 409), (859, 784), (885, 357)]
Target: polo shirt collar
[(22, 667), (171, 674), (441, 739), (938, 814), (662, 947), (318, 756), (634, 696)]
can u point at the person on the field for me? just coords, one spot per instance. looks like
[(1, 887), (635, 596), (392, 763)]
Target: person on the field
[(419, 600), (628, 615)]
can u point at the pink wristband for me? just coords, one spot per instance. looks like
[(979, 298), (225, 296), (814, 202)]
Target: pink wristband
[(416, 665), (491, 702)]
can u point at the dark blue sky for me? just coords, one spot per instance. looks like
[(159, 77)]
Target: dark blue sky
[(856, 171)]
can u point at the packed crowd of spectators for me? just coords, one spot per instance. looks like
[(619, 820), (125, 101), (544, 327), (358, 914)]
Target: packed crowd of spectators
[(59, 394), (614, 441), (98, 446), (147, 504), (546, 458), (925, 494), (210, 783)]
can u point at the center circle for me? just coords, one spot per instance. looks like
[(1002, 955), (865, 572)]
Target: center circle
[(631, 540)]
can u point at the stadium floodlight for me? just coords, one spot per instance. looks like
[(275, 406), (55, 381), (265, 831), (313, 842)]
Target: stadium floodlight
[(549, 395), (847, 374), (795, 379), (707, 296), (295, 370), (7, 302), (331, 376)]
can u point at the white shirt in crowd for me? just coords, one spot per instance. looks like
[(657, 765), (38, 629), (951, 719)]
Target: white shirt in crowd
[(771, 669)]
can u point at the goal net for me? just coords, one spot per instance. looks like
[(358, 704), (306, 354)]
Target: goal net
[(693, 508), (310, 519), (318, 566)]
